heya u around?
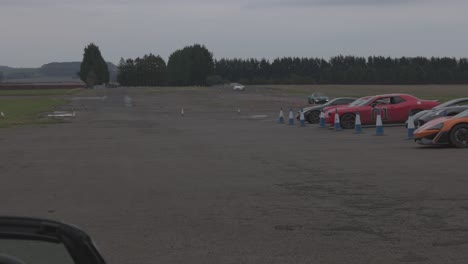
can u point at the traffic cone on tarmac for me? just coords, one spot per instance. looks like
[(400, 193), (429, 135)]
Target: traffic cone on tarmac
[(379, 131), (281, 116), (322, 119), (2, 115), (410, 126), (291, 117), (302, 118), (182, 113), (337, 121), (357, 124)]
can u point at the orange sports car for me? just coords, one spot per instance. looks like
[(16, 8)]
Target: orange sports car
[(445, 131)]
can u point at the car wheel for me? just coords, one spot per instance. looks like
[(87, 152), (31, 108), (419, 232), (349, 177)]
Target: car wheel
[(459, 136), (348, 121), (313, 117)]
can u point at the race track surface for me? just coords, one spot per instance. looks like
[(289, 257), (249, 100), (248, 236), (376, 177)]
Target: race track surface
[(218, 186)]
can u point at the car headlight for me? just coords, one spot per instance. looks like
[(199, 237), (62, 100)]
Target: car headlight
[(437, 127)]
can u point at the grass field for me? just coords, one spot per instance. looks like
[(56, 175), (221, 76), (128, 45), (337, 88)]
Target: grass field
[(39, 92), (27, 110)]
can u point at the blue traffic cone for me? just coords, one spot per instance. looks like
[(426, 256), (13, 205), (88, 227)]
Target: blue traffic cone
[(291, 117), (322, 119), (357, 124), (302, 118), (379, 131), (281, 117), (337, 121), (410, 126)]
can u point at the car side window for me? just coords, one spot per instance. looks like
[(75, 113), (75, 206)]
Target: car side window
[(338, 102), (397, 100), (463, 103), (382, 101)]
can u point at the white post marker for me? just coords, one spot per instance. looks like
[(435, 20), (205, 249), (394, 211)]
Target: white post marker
[(302, 118), (281, 116), (337, 121), (378, 125), (182, 112), (2, 114), (291, 117), (238, 110), (322, 119)]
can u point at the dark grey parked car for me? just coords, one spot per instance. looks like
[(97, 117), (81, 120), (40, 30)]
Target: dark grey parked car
[(312, 114), (32, 240), (449, 108), (318, 98)]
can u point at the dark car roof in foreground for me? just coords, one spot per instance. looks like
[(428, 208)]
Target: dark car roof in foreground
[(77, 241), (30, 222)]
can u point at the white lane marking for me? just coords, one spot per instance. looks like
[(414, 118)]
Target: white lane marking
[(90, 98)]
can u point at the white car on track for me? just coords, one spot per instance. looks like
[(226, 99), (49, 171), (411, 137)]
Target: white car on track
[(238, 87)]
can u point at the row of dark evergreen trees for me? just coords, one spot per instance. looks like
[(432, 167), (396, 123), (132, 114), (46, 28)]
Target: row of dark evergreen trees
[(194, 65), (345, 70), (191, 65)]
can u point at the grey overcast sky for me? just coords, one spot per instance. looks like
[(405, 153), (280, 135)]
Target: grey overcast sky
[(34, 32)]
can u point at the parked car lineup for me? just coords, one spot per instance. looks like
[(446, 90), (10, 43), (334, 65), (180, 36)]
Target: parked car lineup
[(393, 108), (445, 130), (449, 108), (437, 124), (312, 113)]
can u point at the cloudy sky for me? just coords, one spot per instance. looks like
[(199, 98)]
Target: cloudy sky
[(34, 32)]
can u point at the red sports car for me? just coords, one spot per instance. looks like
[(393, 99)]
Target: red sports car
[(394, 109)]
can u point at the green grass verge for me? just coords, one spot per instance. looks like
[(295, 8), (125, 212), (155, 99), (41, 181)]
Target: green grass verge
[(39, 92), (26, 111)]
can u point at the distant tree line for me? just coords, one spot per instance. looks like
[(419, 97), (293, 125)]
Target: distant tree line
[(345, 70), (150, 70), (194, 65), (191, 65)]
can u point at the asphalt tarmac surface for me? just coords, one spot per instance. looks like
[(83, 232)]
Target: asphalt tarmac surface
[(219, 186)]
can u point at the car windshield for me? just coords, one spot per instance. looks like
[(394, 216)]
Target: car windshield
[(34, 251), (451, 102), (462, 114)]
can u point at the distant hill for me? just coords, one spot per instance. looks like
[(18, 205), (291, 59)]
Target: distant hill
[(50, 72)]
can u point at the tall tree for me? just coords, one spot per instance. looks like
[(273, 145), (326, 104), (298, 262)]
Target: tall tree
[(190, 66), (93, 69)]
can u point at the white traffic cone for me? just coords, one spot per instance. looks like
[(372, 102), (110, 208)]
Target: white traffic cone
[(281, 116), (322, 119), (379, 131), (337, 121), (238, 110), (410, 126), (357, 124), (182, 113), (291, 117), (302, 118), (2, 115)]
